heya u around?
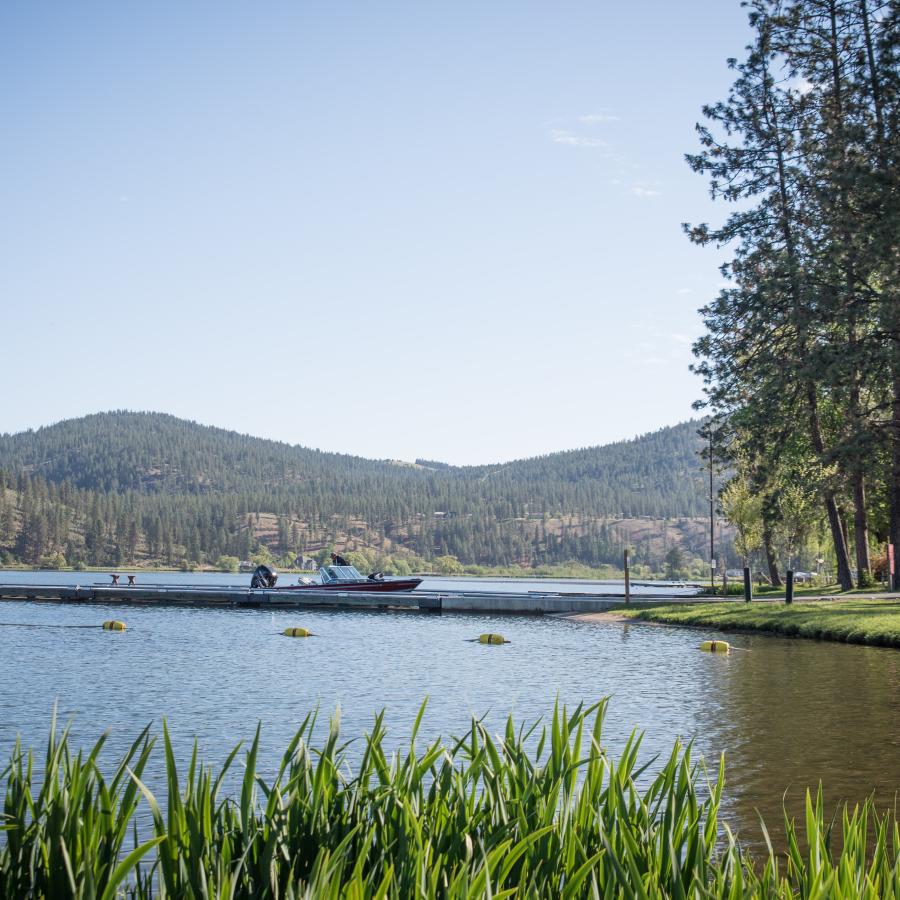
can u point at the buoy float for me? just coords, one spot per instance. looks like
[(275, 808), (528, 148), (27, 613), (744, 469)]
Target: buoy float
[(715, 646), (113, 625), (297, 632), (492, 639)]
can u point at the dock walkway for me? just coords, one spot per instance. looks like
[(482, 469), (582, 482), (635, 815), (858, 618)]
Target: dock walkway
[(532, 602)]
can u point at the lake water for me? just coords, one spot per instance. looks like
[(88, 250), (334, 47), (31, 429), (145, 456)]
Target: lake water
[(786, 714)]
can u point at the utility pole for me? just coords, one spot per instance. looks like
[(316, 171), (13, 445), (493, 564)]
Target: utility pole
[(712, 517)]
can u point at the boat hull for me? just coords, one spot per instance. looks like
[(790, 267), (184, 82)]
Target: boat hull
[(373, 587)]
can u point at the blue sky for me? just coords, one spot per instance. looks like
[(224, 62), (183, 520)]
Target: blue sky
[(448, 230)]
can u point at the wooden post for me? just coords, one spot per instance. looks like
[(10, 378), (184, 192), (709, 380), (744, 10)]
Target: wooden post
[(789, 586), (893, 577), (748, 585), (627, 579)]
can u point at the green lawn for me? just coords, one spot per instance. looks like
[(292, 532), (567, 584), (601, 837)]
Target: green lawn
[(853, 621)]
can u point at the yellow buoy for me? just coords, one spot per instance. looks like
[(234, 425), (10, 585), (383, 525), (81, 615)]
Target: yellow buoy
[(492, 639), (113, 625), (297, 632), (715, 646)]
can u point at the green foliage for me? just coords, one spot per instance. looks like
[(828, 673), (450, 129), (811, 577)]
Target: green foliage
[(397, 567), (448, 565), (674, 562), (743, 508), (262, 557), (795, 506), (364, 562), (52, 561), (227, 563), (866, 580), (480, 816), (323, 557)]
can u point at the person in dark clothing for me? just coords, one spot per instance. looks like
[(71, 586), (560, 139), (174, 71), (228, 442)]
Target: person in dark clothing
[(338, 560)]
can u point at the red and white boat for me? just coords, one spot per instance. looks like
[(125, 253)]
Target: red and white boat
[(336, 578)]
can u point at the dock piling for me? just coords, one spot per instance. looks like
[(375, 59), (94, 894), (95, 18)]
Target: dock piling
[(627, 579)]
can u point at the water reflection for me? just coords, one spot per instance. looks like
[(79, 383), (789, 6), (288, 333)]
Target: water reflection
[(800, 712)]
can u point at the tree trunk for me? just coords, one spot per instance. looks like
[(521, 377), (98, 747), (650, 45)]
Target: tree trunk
[(845, 579), (894, 484), (861, 530), (812, 399), (882, 140), (874, 85), (845, 529), (771, 559), (843, 559), (857, 469)]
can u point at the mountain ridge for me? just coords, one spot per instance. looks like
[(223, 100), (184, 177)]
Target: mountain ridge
[(154, 474), (276, 442)]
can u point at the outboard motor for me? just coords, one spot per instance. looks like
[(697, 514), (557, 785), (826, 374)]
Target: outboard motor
[(263, 577)]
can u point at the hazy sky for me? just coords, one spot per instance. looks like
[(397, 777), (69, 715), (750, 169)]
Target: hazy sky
[(448, 230)]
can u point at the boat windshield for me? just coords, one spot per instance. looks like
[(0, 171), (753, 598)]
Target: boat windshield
[(339, 573)]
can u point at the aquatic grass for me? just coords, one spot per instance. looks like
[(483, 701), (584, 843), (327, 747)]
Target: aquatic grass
[(539, 811), (66, 836)]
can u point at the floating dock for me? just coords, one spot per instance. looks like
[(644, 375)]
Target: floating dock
[(533, 602)]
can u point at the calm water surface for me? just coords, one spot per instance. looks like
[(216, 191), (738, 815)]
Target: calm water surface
[(786, 714)]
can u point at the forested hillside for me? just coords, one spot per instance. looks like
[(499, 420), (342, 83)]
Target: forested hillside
[(146, 487)]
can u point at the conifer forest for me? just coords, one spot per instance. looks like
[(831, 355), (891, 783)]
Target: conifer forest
[(147, 488)]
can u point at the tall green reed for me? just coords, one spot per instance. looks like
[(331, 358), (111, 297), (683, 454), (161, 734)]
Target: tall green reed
[(65, 835), (535, 812)]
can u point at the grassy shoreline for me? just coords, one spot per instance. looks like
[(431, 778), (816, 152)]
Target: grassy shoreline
[(871, 622)]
